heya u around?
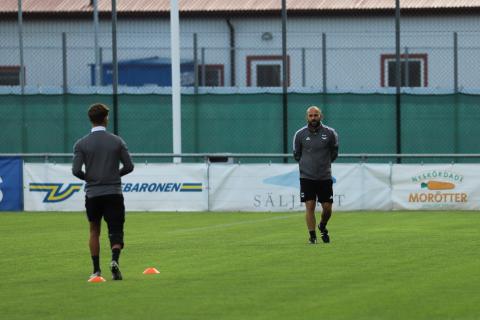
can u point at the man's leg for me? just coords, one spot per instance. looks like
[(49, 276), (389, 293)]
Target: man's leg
[(308, 196), (94, 244), (95, 220), (115, 233), (326, 214), (116, 250), (310, 219), (115, 218)]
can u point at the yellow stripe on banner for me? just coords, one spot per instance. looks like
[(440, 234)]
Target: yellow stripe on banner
[(52, 190), (192, 187), (44, 188), (65, 194)]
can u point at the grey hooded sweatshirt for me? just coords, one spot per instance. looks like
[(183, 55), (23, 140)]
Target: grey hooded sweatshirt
[(315, 150)]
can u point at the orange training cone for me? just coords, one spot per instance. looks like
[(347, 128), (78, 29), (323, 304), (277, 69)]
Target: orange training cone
[(151, 271), (96, 279)]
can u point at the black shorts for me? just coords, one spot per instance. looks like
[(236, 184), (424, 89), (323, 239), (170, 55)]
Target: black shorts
[(110, 207), (320, 190)]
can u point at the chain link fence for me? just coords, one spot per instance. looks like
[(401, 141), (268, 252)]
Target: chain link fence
[(232, 87), (245, 123), (432, 62)]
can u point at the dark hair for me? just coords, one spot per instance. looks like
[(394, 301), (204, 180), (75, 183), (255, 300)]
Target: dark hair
[(97, 113)]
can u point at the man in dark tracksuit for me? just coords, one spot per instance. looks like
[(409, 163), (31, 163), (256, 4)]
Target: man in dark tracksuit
[(315, 147), (102, 153)]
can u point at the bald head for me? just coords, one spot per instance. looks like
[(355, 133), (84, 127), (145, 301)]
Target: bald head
[(314, 116), (313, 108)]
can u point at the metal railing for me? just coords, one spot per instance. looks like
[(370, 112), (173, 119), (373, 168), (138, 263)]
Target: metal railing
[(223, 157)]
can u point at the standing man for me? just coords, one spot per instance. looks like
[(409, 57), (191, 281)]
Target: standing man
[(102, 153), (315, 147)]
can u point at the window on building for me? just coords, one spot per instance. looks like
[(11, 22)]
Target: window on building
[(9, 75), (214, 75), (266, 71), (414, 70), (411, 73), (268, 75)]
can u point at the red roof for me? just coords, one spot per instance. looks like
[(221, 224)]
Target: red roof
[(212, 6)]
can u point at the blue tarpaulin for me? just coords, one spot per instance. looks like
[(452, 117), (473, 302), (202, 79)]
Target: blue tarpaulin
[(11, 184), (146, 71)]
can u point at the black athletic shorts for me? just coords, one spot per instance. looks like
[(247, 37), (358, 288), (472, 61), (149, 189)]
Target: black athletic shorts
[(320, 190), (110, 207)]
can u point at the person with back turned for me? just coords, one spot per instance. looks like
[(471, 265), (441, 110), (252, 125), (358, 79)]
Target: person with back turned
[(315, 147), (102, 152)]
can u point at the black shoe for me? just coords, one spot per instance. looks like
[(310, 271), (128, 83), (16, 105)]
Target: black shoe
[(324, 235), (325, 238), (312, 240), (116, 274)]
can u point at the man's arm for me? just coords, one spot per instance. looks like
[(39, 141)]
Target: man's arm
[(125, 159), (297, 146), (77, 163), (334, 146)]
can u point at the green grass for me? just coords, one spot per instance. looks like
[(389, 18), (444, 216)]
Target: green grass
[(382, 265)]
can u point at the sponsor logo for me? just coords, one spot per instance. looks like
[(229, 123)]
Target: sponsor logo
[(444, 175), (162, 187), (437, 187), (291, 180), (54, 192), (272, 201)]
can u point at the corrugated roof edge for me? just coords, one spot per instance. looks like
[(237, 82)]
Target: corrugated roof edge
[(257, 13)]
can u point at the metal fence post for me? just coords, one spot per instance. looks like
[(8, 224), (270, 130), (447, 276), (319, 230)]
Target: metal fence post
[(285, 78), (203, 82), (95, 39), (324, 62), (64, 62), (195, 62), (398, 82), (65, 91), (24, 132), (20, 44), (407, 70), (114, 67), (195, 106), (100, 58), (455, 91), (455, 62), (303, 68)]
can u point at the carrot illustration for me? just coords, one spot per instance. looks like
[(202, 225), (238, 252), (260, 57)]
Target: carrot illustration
[(438, 185)]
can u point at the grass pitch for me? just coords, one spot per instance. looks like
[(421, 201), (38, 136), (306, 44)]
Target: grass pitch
[(381, 265)]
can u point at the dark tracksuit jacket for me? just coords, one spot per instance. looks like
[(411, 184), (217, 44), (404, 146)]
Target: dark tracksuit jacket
[(101, 152), (315, 150)]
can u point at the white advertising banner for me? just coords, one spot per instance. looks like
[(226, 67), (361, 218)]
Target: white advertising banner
[(362, 186), (150, 187), (276, 187), (51, 187), (166, 187), (262, 187), (436, 187)]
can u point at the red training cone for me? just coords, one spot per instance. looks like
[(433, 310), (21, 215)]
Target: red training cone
[(96, 279), (151, 271)]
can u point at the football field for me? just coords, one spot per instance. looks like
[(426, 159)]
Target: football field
[(379, 265)]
